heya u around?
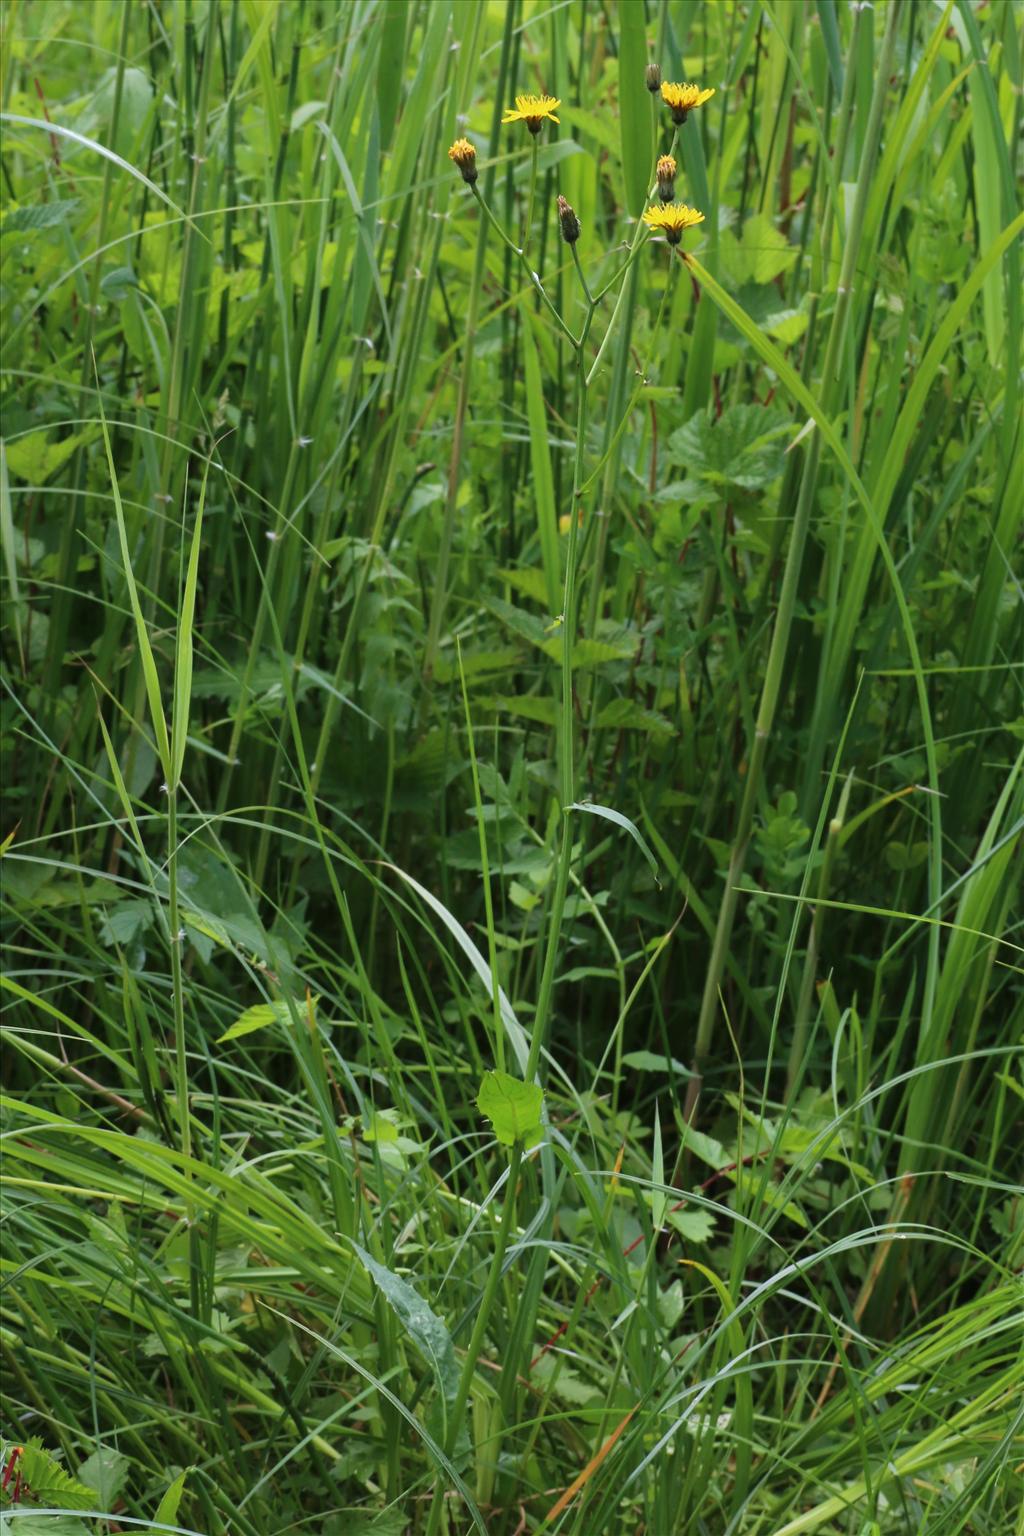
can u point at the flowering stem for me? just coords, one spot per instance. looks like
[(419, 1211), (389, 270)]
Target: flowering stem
[(635, 247), (534, 279), (583, 282), (831, 380), (566, 764), (528, 226)]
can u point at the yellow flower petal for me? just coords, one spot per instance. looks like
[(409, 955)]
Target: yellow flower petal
[(683, 99), (532, 110), (672, 219)]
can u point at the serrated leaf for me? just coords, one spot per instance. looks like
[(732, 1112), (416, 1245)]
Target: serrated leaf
[(106, 1472), (47, 1478), (707, 1149), (697, 1226), (34, 458), (21, 221), (513, 1107), (262, 1014), (744, 446), (760, 255), (628, 715), (568, 1387), (125, 922), (542, 710)]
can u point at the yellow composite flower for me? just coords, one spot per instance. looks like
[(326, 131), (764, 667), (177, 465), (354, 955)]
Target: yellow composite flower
[(532, 110), (672, 219), (683, 99), (666, 174), (463, 154)]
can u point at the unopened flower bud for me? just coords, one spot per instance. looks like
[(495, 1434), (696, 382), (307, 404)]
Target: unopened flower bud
[(569, 222), (463, 153), (666, 178), (652, 78)]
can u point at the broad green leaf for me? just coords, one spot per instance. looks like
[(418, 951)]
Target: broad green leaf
[(569, 1387), (35, 216), (380, 1128), (745, 446), (106, 1472), (50, 1482), (35, 458), (125, 922), (760, 255), (513, 1107), (649, 1061), (543, 710), (706, 1148), (628, 715), (696, 1225), (262, 1014), (386, 1522), (167, 1509), (425, 1328)]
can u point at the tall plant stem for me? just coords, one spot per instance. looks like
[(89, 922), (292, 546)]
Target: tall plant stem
[(476, 1342), (439, 600), (177, 984), (565, 742), (830, 384)]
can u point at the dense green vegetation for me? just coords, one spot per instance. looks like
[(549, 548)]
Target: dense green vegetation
[(513, 754)]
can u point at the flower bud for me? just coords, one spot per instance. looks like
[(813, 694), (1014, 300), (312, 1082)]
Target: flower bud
[(569, 222), (463, 153), (666, 178), (652, 78)]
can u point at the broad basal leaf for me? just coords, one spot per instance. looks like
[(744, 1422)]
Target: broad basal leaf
[(745, 446), (514, 1108)]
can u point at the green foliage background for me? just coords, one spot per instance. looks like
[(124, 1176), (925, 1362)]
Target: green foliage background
[(398, 698)]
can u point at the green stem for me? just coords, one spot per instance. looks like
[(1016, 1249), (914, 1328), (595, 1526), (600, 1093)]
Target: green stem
[(795, 1070), (532, 276), (177, 987), (483, 1314), (528, 226), (566, 764), (830, 384)]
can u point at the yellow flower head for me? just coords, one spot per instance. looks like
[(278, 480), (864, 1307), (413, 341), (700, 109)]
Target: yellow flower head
[(666, 173), (672, 219), (682, 99), (463, 153), (532, 110)]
